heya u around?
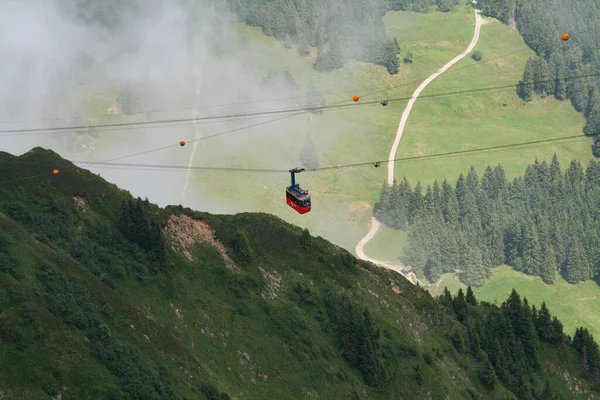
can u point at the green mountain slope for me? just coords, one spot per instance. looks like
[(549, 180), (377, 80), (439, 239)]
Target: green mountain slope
[(105, 296)]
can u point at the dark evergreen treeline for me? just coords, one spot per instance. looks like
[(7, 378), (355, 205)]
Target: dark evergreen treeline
[(339, 31), (507, 340), (544, 222), (140, 227), (584, 343), (541, 23)]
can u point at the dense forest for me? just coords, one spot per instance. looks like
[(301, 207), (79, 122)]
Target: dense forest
[(99, 300), (565, 70), (339, 32), (544, 222), (506, 341)]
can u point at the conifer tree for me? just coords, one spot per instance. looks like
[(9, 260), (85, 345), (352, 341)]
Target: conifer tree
[(302, 46), (560, 87), (475, 272), (449, 251), (531, 252), (592, 124), (547, 264), (446, 297), (450, 209), (459, 305), (416, 204), (471, 299), (487, 373), (525, 90), (543, 323), (575, 264), (458, 339)]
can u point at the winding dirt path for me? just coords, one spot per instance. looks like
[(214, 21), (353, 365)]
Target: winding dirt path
[(375, 225)]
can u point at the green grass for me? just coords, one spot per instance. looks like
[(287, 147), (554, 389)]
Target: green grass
[(575, 305), (389, 244), (479, 120)]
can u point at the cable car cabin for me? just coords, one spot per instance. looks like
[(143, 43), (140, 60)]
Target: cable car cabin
[(298, 199), (295, 197)]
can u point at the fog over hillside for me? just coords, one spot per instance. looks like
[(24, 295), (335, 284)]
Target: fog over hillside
[(174, 54)]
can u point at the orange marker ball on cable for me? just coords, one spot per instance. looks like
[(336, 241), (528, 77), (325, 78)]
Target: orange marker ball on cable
[(55, 172), (355, 98), (182, 143), (565, 36)]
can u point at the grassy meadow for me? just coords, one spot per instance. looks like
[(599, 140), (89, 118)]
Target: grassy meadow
[(574, 305)]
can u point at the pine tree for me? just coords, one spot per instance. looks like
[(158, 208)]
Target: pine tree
[(593, 100), (474, 341), (499, 361), (475, 272), (335, 52), (578, 91), (458, 339), (126, 219), (446, 297), (471, 299), (560, 86), (528, 336), (531, 252), (450, 251), (547, 264), (383, 208), (592, 174), (416, 205), (432, 269), (546, 79), (592, 123), (487, 373), (543, 324), (450, 208), (575, 264), (391, 58), (459, 305), (525, 90), (401, 199), (242, 248), (302, 46), (558, 336), (396, 46), (332, 58)]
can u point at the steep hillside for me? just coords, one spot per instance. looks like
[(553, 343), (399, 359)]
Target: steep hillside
[(106, 296)]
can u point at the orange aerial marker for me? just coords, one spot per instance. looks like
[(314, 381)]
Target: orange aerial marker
[(182, 143), (55, 172), (355, 98), (565, 36)]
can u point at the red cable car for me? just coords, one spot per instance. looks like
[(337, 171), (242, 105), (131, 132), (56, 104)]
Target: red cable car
[(295, 197)]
